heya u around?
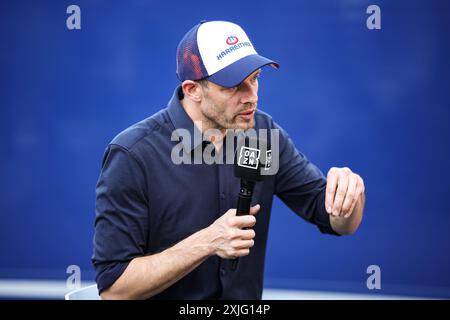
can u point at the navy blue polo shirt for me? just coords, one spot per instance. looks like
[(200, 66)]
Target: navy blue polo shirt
[(145, 204)]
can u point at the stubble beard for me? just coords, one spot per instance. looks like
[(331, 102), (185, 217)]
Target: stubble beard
[(218, 120)]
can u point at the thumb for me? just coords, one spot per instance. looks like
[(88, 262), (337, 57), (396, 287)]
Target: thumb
[(254, 210)]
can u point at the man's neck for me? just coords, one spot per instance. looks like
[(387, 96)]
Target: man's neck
[(215, 136)]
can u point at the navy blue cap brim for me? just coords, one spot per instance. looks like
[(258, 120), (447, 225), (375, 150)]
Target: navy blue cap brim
[(238, 71)]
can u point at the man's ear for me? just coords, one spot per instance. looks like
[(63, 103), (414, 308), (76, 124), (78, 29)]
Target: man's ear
[(192, 90)]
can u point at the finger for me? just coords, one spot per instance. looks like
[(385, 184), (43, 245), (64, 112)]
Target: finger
[(350, 195), (247, 234), (359, 191), (255, 209), (242, 244), (332, 179), (340, 194), (246, 221), (242, 252)]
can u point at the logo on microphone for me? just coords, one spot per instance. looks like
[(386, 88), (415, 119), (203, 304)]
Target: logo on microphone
[(232, 40), (249, 158)]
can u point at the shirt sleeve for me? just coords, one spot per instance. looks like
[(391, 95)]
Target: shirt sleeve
[(121, 224), (301, 185)]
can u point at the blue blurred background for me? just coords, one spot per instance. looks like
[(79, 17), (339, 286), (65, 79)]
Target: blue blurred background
[(373, 100)]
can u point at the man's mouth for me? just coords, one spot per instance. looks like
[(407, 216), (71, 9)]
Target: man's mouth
[(247, 115)]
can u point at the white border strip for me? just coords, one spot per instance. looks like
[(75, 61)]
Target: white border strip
[(54, 289), (275, 294), (23, 288)]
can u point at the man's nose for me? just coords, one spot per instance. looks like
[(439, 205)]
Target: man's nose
[(250, 93)]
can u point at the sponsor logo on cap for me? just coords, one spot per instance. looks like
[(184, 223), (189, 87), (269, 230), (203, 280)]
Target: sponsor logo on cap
[(233, 48), (232, 40)]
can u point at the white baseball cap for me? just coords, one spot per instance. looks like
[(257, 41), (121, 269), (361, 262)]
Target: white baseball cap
[(219, 51)]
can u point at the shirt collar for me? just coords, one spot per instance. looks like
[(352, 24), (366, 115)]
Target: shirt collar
[(181, 120)]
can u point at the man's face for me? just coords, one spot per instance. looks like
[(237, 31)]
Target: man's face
[(231, 108)]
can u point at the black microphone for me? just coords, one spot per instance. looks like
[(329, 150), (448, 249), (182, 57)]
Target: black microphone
[(247, 167)]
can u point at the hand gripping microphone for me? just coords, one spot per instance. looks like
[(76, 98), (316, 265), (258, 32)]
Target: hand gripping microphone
[(249, 161)]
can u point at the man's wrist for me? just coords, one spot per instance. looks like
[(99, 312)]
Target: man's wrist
[(204, 242)]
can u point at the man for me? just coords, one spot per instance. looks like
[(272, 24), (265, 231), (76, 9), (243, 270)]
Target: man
[(170, 231)]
